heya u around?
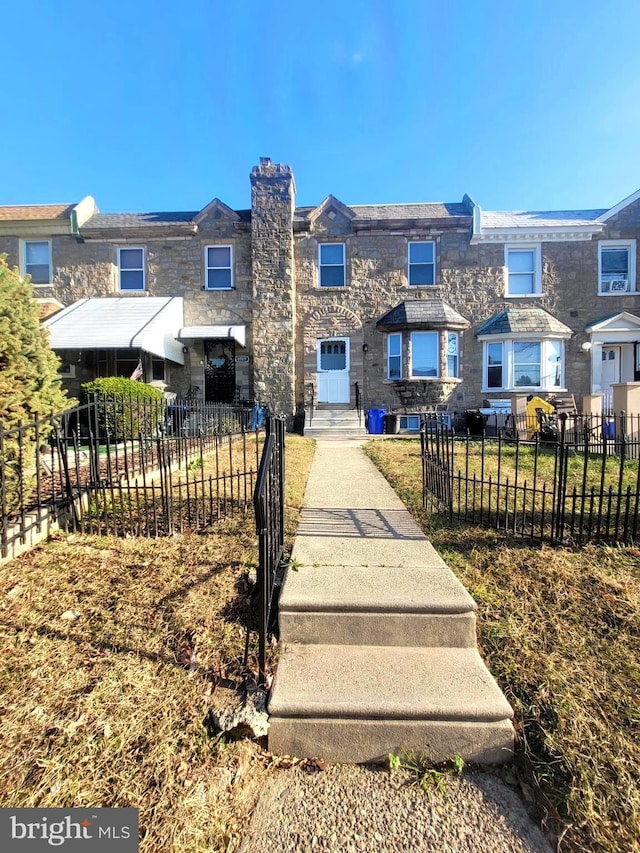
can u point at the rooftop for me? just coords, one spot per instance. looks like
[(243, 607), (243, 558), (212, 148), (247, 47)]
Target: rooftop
[(422, 312), (34, 212), (537, 218), (523, 321)]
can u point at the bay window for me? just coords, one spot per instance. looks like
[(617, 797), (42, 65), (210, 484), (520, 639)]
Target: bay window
[(523, 364)]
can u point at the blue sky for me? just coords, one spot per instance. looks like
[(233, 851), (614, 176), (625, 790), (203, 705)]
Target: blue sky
[(163, 105)]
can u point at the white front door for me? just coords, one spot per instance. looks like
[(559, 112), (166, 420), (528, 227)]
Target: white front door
[(611, 360), (333, 370)]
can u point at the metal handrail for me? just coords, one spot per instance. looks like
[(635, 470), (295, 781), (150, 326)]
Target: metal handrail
[(312, 402)]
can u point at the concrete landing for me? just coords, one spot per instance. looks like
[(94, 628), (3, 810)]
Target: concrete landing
[(378, 636)]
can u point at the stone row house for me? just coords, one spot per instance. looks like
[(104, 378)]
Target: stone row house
[(414, 305)]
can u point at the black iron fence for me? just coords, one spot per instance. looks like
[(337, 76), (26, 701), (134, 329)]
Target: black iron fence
[(268, 503), (122, 466), (572, 480)]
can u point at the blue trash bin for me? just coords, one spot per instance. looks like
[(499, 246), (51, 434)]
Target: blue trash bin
[(375, 421), (609, 429)]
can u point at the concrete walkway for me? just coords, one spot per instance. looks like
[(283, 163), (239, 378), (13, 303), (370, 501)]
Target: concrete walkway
[(365, 573), (378, 636)]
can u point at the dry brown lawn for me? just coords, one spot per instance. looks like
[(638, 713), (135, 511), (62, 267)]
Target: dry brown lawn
[(560, 630), (110, 652)]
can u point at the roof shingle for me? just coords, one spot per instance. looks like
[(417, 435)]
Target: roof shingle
[(391, 212), (430, 313), (538, 218), (34, 212), (523, 321)]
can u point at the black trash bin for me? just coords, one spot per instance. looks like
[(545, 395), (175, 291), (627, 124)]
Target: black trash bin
[(474, 421), (298, 422), (391, 424)]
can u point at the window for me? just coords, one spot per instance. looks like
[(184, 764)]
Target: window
[(424, 354), (616, 267), (126, 362), (553, 373), (333, 355), (513, 364), (394, 356), (526, 364), (410, 422), (452, 354), (157, 369), (219, 267), (36, 260), (422, 263), (494, 360), (523, 270), (131, 269), (331, 258)]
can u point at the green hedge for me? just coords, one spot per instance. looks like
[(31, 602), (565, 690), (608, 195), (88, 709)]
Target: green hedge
[(126, 408)]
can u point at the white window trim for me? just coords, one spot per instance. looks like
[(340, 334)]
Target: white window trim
[(132, 269), (409, 264), (389, 356), (450, 333), (343, 264), (630, 245), (438, 354), (537, 268), (207, 267), (413, 418), (508, 365), (485, 365), (23, 260)]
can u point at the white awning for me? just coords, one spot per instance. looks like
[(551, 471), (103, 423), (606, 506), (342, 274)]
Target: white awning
[(238, 333), (147, 323)]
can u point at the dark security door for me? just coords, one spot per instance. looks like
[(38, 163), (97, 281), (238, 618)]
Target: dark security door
[(220, 371)]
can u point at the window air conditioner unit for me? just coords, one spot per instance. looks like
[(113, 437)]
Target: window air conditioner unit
[(616, 285), (67, 371)]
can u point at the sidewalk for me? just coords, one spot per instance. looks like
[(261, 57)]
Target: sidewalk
[(366, 574)]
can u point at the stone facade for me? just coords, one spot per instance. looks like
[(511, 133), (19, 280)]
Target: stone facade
[(277, 297), (274, 283)]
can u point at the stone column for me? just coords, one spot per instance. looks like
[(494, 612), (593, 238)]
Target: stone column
[(592, 404), (626, 398), (274, 293)]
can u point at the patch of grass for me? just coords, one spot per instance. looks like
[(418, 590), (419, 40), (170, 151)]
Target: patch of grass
[(110, 653), (423, 773), (560, 630)]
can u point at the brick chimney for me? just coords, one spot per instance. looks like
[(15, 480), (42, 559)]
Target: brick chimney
[(274, 294)]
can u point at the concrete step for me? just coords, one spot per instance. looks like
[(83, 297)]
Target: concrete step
[(357, 704), (333, 432), (334, 423), (381, 605), (334, 415)]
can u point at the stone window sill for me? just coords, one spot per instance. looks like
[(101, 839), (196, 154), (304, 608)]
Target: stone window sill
[(455, 379)]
